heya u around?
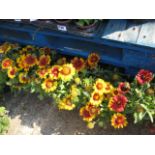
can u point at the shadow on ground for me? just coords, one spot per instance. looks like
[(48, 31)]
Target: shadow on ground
[(30, 116)]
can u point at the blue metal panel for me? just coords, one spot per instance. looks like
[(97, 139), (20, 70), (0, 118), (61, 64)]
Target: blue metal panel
[(133, 58), (114, 29), (124, 52), (131, 34), (33, 31), (147, 34)]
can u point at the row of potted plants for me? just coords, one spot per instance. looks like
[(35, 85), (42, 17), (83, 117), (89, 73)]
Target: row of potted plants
[(80, 23), (100, 95)]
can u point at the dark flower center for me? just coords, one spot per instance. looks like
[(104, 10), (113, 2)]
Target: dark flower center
[(124, 88), (94, 59)]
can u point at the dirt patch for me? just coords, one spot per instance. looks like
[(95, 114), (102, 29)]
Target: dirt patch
[(30, 116)]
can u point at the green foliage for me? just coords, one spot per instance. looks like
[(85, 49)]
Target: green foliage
[(81, 87), (3, 79), (85, 22), (141, 103), (139, 116), (4, 120)]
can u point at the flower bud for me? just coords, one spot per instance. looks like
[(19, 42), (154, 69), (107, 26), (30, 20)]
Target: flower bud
[(91, 125)]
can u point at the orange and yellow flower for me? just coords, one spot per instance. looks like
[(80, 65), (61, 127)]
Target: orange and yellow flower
[(23, 78), (26, 61), (21, 63), (78, 63), (49, 85), (6, 47), (54, 72), (108, 96), (67, 72), (30, 60), (108, 88), (7, 63), (44, 61), (12, 72), (93, 110), (93, 60), (28, 48), (99, 85), (42, 73), (115, 92), (103, 87), (89, 112), (86, 115), (118, 121), (96, 98), (66, 103)]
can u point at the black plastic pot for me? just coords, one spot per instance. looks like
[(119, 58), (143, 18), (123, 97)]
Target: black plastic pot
[(88, 28), (63, 21)]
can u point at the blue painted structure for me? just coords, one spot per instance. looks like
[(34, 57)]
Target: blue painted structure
[(122, 43)]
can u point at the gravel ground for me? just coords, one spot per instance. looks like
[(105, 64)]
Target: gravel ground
[(30, 116)]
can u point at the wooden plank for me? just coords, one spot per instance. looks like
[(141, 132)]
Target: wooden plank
[(147, 34), (114, 29), (132, 32)]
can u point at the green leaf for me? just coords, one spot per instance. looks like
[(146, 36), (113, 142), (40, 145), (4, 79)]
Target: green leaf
[(138, 117), (2, 111), (32, 89), (148, 112), (4, 120), (85, 93)]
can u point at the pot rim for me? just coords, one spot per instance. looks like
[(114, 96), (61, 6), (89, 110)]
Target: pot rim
[(63, 22)]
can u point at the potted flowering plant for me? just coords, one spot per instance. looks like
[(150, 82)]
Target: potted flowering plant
[(79, 83), (85, 24), (142, 96)]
